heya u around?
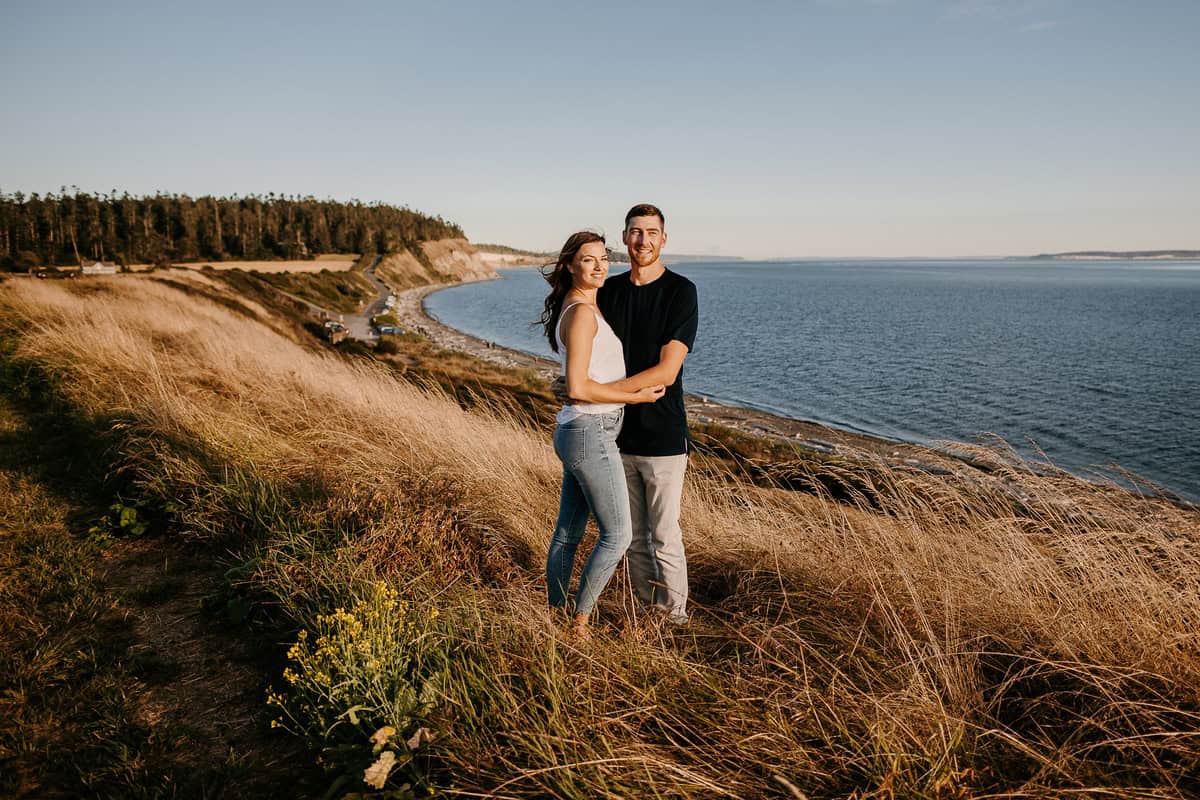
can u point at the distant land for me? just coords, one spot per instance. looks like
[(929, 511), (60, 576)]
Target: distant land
[(618, 256), (680, 257), (615, 255), (1159, 255)]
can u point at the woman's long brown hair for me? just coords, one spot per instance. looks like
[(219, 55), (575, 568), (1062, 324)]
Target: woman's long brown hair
[(559, 277)]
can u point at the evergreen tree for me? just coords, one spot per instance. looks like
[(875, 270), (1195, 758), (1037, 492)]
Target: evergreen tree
[(68, 227)]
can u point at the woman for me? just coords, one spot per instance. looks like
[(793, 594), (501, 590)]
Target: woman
[(585, 438)]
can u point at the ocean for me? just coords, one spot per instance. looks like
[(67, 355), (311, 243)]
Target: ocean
[(1093, 366)]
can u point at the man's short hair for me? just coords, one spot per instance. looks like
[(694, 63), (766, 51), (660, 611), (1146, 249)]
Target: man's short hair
[(646, 210)]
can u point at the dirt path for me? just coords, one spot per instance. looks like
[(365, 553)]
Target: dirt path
[(194, 676), (122, 676), (359, 325)]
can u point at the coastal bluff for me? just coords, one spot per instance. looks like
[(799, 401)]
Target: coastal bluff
[(434, 262)]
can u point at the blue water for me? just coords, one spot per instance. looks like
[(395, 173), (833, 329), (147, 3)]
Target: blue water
[(1084, 364)]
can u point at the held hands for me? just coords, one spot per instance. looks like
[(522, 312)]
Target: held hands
[(650, 393), (646, 395)]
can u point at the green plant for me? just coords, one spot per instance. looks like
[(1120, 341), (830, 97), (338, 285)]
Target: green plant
[(122, 519), (132, 518), (362, 676)]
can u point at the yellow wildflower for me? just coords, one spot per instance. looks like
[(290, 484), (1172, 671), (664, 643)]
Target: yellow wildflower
[(381, 737)]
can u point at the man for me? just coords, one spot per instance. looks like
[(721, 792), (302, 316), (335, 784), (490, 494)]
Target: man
[(654, 312)]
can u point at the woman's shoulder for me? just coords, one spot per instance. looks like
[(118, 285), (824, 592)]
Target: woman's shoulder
[(572, 326), (569, 309)]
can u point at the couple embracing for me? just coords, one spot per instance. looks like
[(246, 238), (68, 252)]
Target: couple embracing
[(622, 431)]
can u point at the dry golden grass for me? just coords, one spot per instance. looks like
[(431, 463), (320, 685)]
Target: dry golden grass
[(334, 262), (1028, 636)]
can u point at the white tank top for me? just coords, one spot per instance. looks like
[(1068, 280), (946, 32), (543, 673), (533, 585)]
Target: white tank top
[(607, 365)]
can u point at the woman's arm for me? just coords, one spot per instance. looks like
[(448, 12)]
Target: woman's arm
[(578, 332)]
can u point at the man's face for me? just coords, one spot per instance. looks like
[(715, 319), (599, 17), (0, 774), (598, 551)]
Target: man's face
[(644, 237)]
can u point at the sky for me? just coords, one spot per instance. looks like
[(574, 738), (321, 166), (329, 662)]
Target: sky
[(808, 128)]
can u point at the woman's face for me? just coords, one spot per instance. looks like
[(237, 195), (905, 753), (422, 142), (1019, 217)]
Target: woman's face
[(589, 267)]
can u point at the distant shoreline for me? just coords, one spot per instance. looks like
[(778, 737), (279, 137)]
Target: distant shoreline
[(525, 259), (1120, 255)]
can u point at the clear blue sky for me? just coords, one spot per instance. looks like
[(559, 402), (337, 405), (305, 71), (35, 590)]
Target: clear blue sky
[(805, 128)]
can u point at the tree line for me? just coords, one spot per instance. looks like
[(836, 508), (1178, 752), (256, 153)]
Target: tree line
[(70, 227)]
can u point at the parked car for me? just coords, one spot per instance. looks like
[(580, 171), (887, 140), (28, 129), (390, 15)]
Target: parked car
[(389, 330)]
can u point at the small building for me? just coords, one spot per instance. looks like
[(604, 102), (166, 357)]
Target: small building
[(97, 268)]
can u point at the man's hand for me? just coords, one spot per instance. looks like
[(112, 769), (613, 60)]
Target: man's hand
[(559, 388), (651, 393)]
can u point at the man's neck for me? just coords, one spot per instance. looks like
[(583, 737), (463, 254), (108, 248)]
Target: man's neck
[(640, 276)]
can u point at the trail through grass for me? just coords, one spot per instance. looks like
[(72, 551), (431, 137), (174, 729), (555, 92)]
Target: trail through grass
[(114, 679)]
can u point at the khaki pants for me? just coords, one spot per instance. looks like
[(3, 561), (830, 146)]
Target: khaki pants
[(657, 564)]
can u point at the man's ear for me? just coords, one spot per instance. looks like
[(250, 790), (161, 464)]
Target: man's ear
[(625, 237)]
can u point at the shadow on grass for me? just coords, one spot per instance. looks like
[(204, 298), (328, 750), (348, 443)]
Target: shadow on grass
[(107, 658)]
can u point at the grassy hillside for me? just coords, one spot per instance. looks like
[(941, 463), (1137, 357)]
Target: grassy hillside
[(916, 639), (345, 291)]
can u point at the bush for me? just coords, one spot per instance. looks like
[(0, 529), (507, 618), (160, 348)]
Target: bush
[(363, 676), (27, 261)]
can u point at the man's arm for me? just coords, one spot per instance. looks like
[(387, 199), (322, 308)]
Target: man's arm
[(682, 317), (579, 331), (665, 372)]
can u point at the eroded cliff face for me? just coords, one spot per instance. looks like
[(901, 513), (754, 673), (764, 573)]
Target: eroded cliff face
[(449, 260), (458, 259)]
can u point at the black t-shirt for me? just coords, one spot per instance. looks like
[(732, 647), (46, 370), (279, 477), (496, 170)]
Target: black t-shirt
[(645, 318)]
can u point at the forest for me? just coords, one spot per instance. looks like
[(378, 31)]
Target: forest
[(67, 228)]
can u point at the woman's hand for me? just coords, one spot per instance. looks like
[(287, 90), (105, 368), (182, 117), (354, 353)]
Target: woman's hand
[(649, 394)]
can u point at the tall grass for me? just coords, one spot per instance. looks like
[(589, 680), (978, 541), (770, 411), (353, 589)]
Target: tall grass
[(1014, 634)]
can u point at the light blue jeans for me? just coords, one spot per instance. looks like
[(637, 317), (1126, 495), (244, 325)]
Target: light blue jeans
[(593, 481)]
